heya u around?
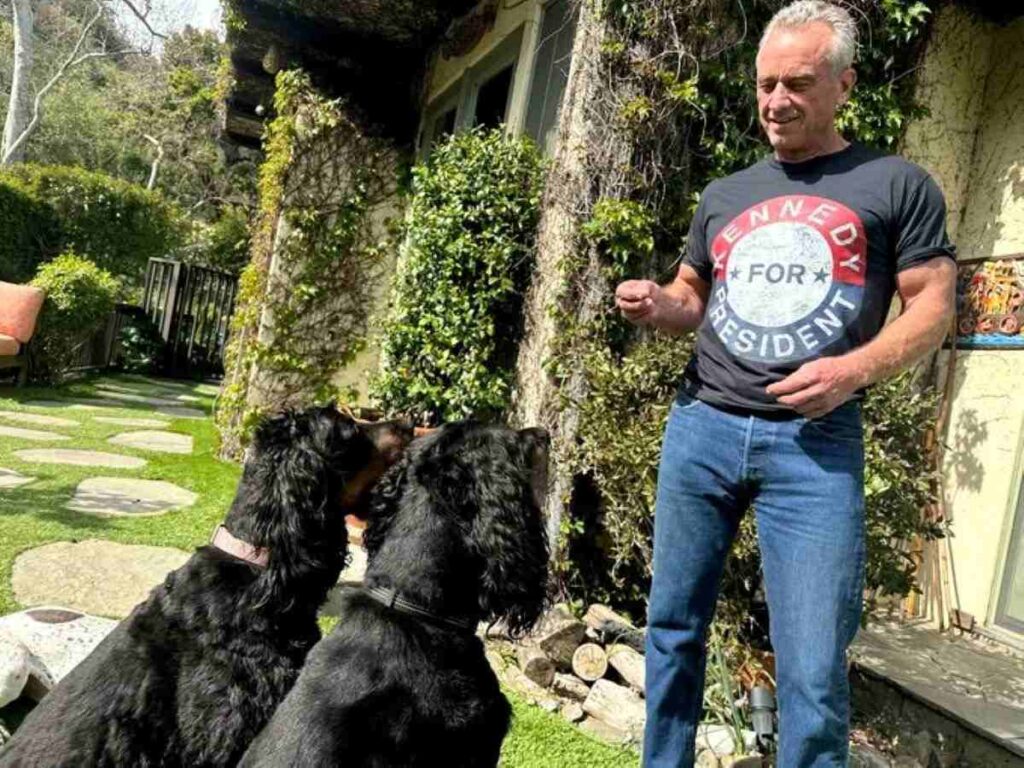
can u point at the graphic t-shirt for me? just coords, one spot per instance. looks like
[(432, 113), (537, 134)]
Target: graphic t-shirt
[(802, 260)]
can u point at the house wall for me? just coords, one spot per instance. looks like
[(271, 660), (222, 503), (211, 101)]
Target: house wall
[(973, 142)]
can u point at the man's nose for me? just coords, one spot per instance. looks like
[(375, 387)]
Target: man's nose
[(778, 99)]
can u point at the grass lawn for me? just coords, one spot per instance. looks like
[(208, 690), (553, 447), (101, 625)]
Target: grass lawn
[(34, 515)]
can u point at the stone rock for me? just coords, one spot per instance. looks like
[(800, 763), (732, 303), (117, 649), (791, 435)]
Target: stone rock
[(128, 497), (98, 577), (129, 422), (559, 634), (549, 705), (59, 637), (602, 731), (572, 711), (629, 664), (718, 738), (147, 440), (618, 706), (20, 672), (535, 664), (11, 479), (81, 458), (31, 434), (570, 687), (866, 756), (37, 419)]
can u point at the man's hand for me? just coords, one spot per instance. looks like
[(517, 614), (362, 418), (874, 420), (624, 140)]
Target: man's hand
[(818, 387), (638, 300)]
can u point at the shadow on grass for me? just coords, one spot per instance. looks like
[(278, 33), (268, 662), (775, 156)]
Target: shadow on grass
[(47, 504)]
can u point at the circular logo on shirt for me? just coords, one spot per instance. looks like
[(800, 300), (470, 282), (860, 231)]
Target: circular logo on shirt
[(789, 278)]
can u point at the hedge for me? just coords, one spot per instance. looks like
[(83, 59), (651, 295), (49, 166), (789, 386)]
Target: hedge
[(119, 226)]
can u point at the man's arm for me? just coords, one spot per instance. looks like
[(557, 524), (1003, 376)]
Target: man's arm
[(928, 294), (674, 308)]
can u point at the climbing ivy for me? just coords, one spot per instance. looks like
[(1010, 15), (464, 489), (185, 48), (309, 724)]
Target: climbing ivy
[(450, 340), (318, 249)]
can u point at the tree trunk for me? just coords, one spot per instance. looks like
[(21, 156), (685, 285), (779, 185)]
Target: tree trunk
[(19, 106)]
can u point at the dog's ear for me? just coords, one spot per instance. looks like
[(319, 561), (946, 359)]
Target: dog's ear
[(384, 505), (511, 542), (299, 464)]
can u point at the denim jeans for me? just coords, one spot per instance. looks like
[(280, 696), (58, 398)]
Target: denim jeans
[(805, 480)]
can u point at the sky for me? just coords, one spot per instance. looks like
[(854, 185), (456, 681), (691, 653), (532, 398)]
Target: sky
[(172, 15)]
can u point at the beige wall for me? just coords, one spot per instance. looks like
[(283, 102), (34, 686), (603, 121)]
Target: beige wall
[(973, 142)]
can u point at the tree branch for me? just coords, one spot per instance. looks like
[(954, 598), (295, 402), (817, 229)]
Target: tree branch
[(143, 17), (156, 162)]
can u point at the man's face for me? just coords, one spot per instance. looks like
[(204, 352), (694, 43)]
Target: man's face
[(797, 91)]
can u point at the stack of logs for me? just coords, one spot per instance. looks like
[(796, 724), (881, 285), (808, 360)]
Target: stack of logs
[(595, 667)]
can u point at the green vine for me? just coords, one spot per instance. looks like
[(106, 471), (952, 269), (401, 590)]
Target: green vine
[(317, 253), (455, 321)]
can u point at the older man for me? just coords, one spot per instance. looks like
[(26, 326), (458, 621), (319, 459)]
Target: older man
[(788, 276)]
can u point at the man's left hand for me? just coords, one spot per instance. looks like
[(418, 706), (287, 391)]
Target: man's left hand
[(818, 387)]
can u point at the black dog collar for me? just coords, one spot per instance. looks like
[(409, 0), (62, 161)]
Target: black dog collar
[(393, 599)]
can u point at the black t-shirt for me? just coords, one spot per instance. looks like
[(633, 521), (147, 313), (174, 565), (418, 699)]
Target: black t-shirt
[(802, 261)]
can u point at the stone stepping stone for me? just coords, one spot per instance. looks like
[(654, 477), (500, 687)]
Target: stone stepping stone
[(11, 479), (21, 672), (182, 413), (128, 422), (148, 440), (78, 458), (77, 405), (97, 577), (127, 397), (37, 419), (58, 637), (113, 387), (31, 434), (128, 497)]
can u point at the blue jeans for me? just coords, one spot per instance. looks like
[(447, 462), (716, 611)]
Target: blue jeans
[(805, 480)]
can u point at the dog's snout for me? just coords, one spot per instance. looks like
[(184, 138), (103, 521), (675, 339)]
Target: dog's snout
[(390, 437)]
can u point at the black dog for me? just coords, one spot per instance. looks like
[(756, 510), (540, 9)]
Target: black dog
[(455, 536), (190, 677)]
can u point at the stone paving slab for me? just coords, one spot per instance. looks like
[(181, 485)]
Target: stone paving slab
[(149, 440), (129, 422), (59, 637), (128, 497), (128, 397), (37, 419), (11, 479), (77, 458), (78, 404), (97, 577), (21, 672), (181, 412), (31, 434), (981, 688)]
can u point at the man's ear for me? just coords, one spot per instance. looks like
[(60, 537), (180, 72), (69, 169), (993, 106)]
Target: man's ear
[(847, 79)]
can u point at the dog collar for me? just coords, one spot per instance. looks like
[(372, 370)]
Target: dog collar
[(223, 540), (391, 598)]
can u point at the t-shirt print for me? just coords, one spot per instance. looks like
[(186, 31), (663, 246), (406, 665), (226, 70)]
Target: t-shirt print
[(801, 260), (789, 275)]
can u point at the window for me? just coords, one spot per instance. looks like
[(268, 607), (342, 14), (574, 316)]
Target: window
[(492, 100), (551, 71), (1010, 610)]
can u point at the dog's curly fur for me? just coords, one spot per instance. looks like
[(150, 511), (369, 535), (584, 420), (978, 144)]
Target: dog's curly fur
[(455, 527), (190, 677)]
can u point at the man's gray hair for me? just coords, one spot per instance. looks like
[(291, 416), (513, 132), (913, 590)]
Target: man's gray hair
[(803, 12)]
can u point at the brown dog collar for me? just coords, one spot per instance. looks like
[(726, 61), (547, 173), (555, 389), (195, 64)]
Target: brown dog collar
[(225, 541)]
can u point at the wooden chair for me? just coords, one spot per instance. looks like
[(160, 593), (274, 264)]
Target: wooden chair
[(20, 306)]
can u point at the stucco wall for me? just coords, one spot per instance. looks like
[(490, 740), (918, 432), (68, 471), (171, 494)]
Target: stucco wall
[(973, 142)]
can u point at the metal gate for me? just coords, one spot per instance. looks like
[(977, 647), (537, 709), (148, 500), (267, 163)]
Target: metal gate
[(191, 306)]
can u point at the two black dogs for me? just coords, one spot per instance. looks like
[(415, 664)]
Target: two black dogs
[(212, 669)]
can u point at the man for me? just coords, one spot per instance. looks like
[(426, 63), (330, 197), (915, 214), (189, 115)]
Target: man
[(788, 276)]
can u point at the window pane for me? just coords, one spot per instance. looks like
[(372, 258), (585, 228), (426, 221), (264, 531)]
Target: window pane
[(492, 99), (554, 55)]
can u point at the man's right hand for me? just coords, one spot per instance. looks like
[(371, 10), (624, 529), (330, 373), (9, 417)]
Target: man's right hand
[(638, 300)]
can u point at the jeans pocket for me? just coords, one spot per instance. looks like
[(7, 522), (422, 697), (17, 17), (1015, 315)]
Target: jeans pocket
[(684, 402), (842, 425)]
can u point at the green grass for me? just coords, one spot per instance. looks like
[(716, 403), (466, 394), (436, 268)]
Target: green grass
[(34, 515)]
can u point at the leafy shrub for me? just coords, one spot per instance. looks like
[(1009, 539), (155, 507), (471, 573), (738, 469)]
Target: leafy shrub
[(116, 224), (451, 339), (140, 347), (79, 298), (30, 232)]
